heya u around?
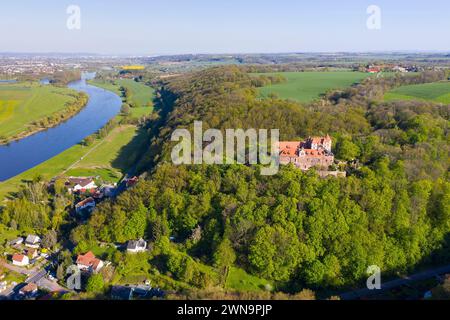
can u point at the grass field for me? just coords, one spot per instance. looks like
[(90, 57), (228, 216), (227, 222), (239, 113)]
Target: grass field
[(307, 86), (23, 103), (140, 93), (240, 280), (436, 91)]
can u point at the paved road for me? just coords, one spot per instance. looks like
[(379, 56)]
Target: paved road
[(35, 275), (352, 295)]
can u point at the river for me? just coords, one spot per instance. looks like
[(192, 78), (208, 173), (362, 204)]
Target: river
[(28, 152)]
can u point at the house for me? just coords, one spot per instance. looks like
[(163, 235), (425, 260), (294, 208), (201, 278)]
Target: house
[(131, 182), (20, 260), (312, 152), (136, 246), (33, 241), (373, 69), (29, 290), (32, 253), (80, 184), (88, 203), (88, 262), (16, 241)]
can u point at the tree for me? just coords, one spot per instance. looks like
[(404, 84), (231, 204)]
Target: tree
[(95, 283), (347, 150), (224, 255), (50, 239)]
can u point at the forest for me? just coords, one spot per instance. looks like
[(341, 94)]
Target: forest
[(294, 229)]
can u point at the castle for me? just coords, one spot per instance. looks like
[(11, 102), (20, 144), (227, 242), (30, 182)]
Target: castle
[(313, 152)]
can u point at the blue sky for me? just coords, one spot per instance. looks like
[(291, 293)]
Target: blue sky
[(229, 26)]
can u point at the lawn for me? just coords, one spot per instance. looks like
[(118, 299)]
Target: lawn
[(7, 234), (436, 91), (240, 280), (23, 103), (307, 86)]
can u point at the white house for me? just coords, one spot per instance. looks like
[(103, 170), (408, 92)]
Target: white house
[(20, 260), (81, 184), (136, 246), (33, 241)]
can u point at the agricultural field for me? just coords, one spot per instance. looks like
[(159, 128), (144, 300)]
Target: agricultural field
[(23, 103), (307, 86), (436, 91), (140, 93)]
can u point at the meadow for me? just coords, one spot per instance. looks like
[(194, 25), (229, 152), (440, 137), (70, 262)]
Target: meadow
[(23, 103), (436, 91), (139, 92), (239, 280), (307, 86)]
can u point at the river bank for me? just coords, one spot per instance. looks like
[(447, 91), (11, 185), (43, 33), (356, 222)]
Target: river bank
[(37, 148)]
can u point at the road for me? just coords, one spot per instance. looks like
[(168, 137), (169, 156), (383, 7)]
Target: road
[(352, 295), (35, 275)]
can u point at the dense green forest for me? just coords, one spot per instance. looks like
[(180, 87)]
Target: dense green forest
[(295, 229)]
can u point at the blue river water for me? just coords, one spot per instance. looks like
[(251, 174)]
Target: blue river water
[(28, 152)]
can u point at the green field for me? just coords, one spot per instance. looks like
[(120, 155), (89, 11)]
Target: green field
[(307, 86), (23, 103), (240, 280), (436, 91), (140, 93)]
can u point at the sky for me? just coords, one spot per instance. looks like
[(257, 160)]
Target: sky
[(154, 27)]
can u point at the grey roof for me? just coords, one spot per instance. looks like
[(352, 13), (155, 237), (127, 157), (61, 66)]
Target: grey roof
[(133, 244), (32, 239)]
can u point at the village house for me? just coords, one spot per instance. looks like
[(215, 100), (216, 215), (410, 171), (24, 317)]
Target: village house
[(32, 253), (131, 182), (137, 246), (16, 241), (80, 184), (29, 290), (33, 241), (88, 262), (88, 203), (313, 152), (20, 260)]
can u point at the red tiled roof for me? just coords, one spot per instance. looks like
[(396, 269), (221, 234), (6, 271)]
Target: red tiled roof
[(18, 257), (289, 148), (85, 201), (88, 260)]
